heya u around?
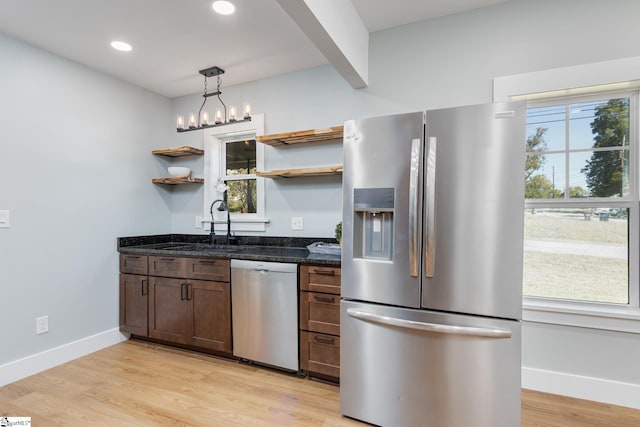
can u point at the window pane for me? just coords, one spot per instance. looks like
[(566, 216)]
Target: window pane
[(241, 157), (548, 124), (599, 124), (606, 173), (241, 196), (546, 178), (577, 254)]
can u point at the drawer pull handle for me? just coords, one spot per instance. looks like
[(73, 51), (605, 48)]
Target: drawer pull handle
[(206, 262), (143, 282), (132, 257), (325, 272), (182, 288), (324, 340), (167, 259), (323, 298)]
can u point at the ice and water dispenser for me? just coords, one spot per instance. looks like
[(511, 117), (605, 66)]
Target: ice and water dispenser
[(373, 223)]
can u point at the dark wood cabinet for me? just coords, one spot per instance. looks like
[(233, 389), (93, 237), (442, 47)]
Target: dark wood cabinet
[(168, 309), (321, 354), (210, 316), (320, 312), (177, 299), (320, 321), (189, 311), (168, 266), (134, 294), (134, 264)]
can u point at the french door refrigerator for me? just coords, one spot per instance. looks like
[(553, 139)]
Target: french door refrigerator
[(432, 267)]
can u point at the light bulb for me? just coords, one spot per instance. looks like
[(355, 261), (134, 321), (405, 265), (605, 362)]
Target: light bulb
[(246, 110), (180, 122), (232, 113), (192, 120), (204, 118), (218, 116)]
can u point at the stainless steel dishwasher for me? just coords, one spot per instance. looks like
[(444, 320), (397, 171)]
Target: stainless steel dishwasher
[(264, 306)]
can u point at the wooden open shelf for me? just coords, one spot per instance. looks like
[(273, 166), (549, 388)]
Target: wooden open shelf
[(312, 135), (178, 181), (178, 152), (291, 173)]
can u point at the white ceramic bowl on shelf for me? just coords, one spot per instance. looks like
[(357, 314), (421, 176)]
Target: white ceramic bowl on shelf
[(179, 171)]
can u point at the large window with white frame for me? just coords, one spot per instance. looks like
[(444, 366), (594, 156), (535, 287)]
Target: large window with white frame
[(582, 200)]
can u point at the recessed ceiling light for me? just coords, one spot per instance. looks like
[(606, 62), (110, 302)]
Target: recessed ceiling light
[(223, 7), (121, 46)]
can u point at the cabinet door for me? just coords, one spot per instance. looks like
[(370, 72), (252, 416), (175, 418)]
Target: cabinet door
[(134, 264), (320, 312), (134, 294), (218, 270), (320, 279), (320, 354), (169, 309), (167, 266), (210, 315)]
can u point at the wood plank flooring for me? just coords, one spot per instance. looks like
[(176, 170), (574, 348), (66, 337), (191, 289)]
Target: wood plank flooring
[(142, 384)]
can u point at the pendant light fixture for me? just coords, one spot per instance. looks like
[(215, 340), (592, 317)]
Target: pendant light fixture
[(202, 119)]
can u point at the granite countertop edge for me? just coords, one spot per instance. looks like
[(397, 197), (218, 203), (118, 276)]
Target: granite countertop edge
[(268, 249)]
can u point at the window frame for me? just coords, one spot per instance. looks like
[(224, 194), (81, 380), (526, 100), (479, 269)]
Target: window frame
[(588, 79), (631, 202), (215, 139)]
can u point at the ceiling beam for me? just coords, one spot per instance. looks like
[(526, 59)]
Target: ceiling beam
[(338, 32)]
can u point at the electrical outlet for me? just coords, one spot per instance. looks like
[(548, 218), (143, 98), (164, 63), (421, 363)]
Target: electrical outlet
[(198, 222), (297, 223), (42, 325)]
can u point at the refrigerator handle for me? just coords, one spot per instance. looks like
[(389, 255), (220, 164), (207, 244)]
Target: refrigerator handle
[(430, 208), (414, 188), (429, 327)]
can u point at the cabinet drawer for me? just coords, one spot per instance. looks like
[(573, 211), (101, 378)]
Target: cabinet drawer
[(320, 354), (167, 266), (218, 270), (320, 312), (134, 264), (320, 279)]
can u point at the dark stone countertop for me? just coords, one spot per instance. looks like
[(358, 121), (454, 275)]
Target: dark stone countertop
[(273, 249)]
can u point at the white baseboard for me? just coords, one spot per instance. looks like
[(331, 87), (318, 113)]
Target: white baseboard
[(589, 388), (22, 368)]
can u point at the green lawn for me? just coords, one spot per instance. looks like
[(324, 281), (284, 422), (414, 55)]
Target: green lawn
[(575, 276), (573, 226)]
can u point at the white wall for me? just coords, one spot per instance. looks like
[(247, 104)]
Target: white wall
[(75, 172), (440, 63)]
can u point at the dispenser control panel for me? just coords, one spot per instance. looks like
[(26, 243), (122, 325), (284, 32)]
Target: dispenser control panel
[(373, 223)]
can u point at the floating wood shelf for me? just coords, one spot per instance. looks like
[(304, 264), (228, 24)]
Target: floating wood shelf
[(178, 181), (291, 173), (312, 135), (178, 152)]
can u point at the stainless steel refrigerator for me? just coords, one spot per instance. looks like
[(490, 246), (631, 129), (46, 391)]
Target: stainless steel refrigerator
[(432, 267)]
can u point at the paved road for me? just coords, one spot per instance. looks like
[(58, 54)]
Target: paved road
[(602, 250)]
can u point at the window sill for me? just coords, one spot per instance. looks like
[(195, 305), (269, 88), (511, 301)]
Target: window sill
[(583, 315), (240, 224)]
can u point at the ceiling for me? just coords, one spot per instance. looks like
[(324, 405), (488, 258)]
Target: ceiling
[(174, 39)]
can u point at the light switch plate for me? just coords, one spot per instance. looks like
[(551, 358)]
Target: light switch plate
[(4, 219)]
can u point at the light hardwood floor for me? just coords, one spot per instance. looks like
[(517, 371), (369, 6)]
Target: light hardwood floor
[(141, 384)]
